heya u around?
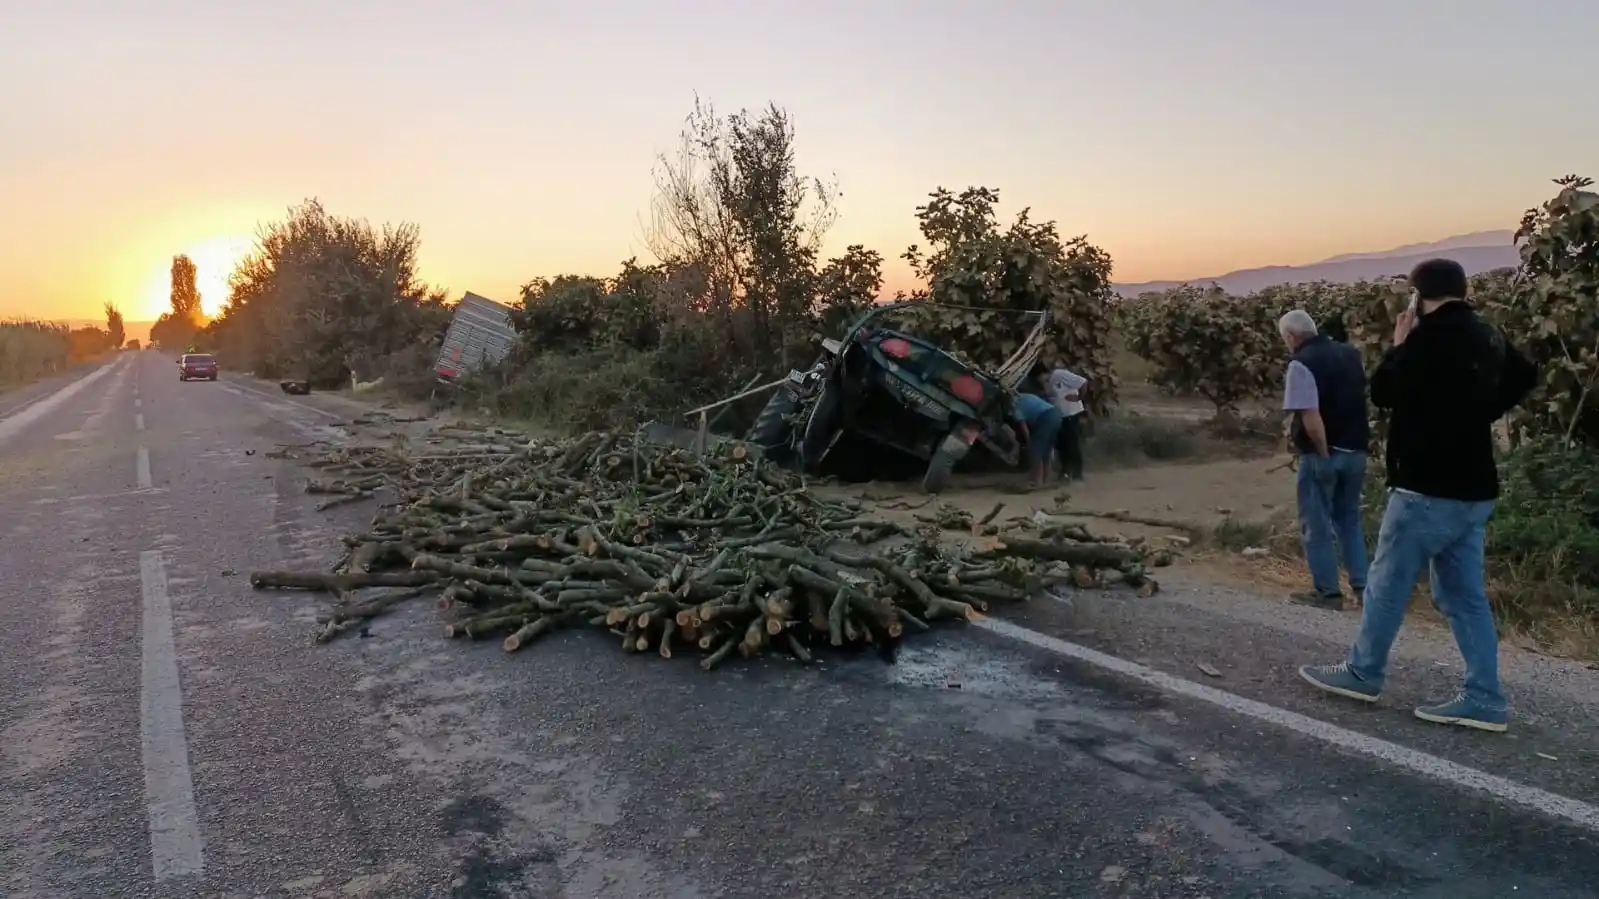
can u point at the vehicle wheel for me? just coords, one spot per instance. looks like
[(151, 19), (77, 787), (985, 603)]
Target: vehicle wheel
[(772, 429), (820, 427), (213, 377), (942, 466)]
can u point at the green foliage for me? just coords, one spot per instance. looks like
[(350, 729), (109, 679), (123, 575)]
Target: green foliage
[(732, 206), (1205, 342), (846, 287), (324, 298), (634, 309), (741, 292), (972, 261), (1544, 539), (1548, 511), (1550, 308)]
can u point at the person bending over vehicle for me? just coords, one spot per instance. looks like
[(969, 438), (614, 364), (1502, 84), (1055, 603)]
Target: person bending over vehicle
[(1040, 422)]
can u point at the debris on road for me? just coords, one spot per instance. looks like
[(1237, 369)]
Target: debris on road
[(719, 553)]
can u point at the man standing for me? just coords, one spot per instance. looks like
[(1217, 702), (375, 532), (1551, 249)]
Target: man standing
[(1040, 422), (1326, 391), (1065, 389), (1446, 379)]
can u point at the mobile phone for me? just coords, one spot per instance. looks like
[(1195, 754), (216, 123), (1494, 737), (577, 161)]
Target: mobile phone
[(1415, 299)]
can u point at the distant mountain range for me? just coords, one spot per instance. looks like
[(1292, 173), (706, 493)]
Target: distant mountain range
[(1481, 251)]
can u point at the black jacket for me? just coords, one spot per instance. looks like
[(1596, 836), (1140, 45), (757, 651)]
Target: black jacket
[(1446, 385)]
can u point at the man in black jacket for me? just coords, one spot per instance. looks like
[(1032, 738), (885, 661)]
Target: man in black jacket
[(1446, 379)]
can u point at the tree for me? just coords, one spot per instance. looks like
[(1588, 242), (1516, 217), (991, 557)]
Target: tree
[(114, 325), (733, 204), (1203, 341), (185, 290), (847, 286), (176, 329), (320, 295), (1025, 267)]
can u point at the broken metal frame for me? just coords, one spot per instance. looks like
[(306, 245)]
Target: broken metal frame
[(1009, 378)]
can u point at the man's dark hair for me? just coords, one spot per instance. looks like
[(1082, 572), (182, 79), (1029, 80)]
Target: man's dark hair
[(1040, 370), (1439, 279)]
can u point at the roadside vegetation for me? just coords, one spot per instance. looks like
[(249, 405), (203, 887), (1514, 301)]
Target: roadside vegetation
[(741, 289), (1544, 538), (31, 350)]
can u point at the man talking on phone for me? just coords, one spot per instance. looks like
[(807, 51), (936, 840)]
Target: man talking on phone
[(1447, 378)]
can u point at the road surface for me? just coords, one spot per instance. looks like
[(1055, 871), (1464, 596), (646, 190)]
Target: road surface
[(168, 732)]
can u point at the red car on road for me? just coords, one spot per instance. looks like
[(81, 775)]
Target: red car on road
[(197, 367)]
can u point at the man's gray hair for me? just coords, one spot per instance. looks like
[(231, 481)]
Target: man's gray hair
[(1298, 323)]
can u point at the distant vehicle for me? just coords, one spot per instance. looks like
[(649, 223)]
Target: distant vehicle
[(480, 335), (197, 367), (132, 345), (901, 392)]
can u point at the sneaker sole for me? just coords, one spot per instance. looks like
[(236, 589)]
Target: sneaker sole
[(1473, 723), (1339, 691)]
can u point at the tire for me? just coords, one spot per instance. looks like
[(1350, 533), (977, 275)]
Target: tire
[(771, 430), (212, 378), (942, 466), (820, 426)]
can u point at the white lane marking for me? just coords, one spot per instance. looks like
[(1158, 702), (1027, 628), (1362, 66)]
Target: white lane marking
[(13, 424), (1570, 810), (137, 403), (138, 421), (175, 844), (261, 394), (142, 469)]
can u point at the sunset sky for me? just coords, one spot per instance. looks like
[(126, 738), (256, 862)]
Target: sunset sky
[(1188, 138)]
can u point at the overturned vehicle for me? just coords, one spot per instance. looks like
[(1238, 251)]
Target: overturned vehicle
[(899, 391)]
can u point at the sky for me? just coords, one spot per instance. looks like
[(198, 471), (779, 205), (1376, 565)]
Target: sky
[(1187, 138)]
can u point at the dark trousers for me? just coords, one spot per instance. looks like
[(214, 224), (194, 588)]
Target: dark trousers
[(1069, 443)]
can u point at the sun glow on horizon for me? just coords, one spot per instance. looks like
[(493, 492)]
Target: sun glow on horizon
[(214, 262)]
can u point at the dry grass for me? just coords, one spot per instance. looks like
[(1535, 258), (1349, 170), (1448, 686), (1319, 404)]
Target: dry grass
[(1281, 569)]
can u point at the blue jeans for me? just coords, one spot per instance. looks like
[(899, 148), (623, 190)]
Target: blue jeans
[(1447, 536), (1330, 506), (1041, 435)]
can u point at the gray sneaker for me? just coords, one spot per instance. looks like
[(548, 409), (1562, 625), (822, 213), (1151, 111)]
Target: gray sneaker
[(1339, 680), (1466, 712)]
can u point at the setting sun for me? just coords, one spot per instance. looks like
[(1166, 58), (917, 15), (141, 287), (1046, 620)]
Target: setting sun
[(214, 261)]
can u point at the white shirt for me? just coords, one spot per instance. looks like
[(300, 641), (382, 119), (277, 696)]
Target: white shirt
[(1062, 382)]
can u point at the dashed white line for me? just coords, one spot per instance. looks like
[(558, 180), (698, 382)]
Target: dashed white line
[(142, 469), (137, 402), (138, 421), (175, 843), (1543, 801)]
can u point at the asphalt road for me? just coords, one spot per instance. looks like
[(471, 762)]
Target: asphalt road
[(169, 732)]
